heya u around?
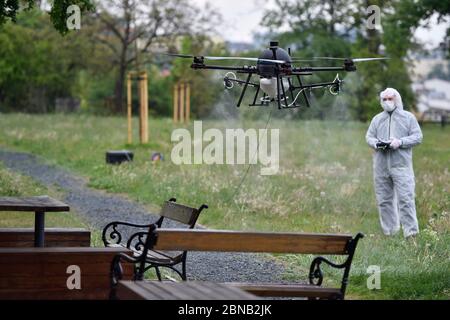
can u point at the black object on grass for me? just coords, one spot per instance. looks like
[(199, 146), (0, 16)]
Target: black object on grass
[(119, 156)]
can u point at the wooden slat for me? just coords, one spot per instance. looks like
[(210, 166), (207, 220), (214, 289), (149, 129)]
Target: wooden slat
[(128, 290), (196, 292), (239, 241), (288, 290), (191, 290), (57, 251), (52, 294), (41, 273), (173, 290), (220, 291), (179, 212), (39, 203), (54, 237)]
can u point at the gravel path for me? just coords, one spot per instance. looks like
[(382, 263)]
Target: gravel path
[(98, 208)]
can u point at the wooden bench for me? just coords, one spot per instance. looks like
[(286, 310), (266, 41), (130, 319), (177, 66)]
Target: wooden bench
[(54, 237), (171, 211), (238, 241), (42, 273)]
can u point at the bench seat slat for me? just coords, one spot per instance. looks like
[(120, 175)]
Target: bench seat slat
[(237, 241), (192, 290), (154, 256), (288, 290)]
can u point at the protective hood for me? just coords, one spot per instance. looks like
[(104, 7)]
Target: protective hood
[(397, 98)]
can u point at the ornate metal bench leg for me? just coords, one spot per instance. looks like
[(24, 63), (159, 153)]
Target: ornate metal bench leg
[(183, 268), (116, 275), (315, 272)]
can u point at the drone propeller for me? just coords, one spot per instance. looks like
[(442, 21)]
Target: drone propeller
[(368, 59), (343, 59), (225, 58), (303, 60)]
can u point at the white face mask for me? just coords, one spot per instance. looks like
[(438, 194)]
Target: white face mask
[(388, 105)]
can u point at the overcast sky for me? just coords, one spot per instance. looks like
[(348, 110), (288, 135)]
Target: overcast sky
[(242, 18)]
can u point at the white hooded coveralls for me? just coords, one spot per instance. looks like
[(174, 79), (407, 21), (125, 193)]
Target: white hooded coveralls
[(393, 169)]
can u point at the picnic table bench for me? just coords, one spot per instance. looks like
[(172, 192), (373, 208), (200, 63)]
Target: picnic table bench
[(241, 241), (39, 205), (113, 235), (44, 273), (54, 237)]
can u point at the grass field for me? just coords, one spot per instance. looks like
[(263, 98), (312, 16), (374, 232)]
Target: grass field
[(324, 185), (15, 185)]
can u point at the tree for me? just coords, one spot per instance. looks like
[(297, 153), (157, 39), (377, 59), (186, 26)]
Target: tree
[(132, 29), (58, 13), (37, 65), (409, 15)]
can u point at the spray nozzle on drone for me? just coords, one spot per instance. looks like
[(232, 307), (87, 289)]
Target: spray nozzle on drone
[(335, 88), (227, 83), (228, 80)]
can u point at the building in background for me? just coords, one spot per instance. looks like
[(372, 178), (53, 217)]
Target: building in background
[(431, 84), (433, 99)]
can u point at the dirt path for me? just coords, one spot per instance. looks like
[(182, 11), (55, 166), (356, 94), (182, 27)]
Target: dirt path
[(98, 208)]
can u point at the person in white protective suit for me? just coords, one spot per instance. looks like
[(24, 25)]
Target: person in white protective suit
[(393, 133)]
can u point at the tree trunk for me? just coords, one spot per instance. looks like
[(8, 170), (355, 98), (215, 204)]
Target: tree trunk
[(118, 90)]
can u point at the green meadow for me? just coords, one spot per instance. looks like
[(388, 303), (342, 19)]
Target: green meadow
[(324, 184)]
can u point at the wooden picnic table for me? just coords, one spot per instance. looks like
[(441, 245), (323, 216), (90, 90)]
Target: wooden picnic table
[(185, 290), (39, 205)]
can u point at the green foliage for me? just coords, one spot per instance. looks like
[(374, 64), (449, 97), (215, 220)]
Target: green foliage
[(9, 8), (59, 15), (38, 66), (160, 92), (206, 86), (407, 17), (40, 70), (58, 12)]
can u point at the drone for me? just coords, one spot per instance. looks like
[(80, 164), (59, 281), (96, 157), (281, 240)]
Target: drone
[(279, 80)]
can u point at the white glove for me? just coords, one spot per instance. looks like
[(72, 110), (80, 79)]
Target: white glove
[(395, 143)]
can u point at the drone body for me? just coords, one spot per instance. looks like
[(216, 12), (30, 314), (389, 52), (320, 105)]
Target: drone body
[(279, 80)]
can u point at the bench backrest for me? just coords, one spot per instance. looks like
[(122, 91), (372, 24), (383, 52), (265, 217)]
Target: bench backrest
[(181, 213), (241, 241)]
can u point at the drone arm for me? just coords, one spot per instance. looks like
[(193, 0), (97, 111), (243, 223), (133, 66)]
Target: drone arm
[(211, 67), (316, 69), (319, 85), (349, 67), (243, 82), (301, 73)]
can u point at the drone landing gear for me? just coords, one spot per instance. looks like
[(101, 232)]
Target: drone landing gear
[(283, 94), (264, 101), (283, 97)]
